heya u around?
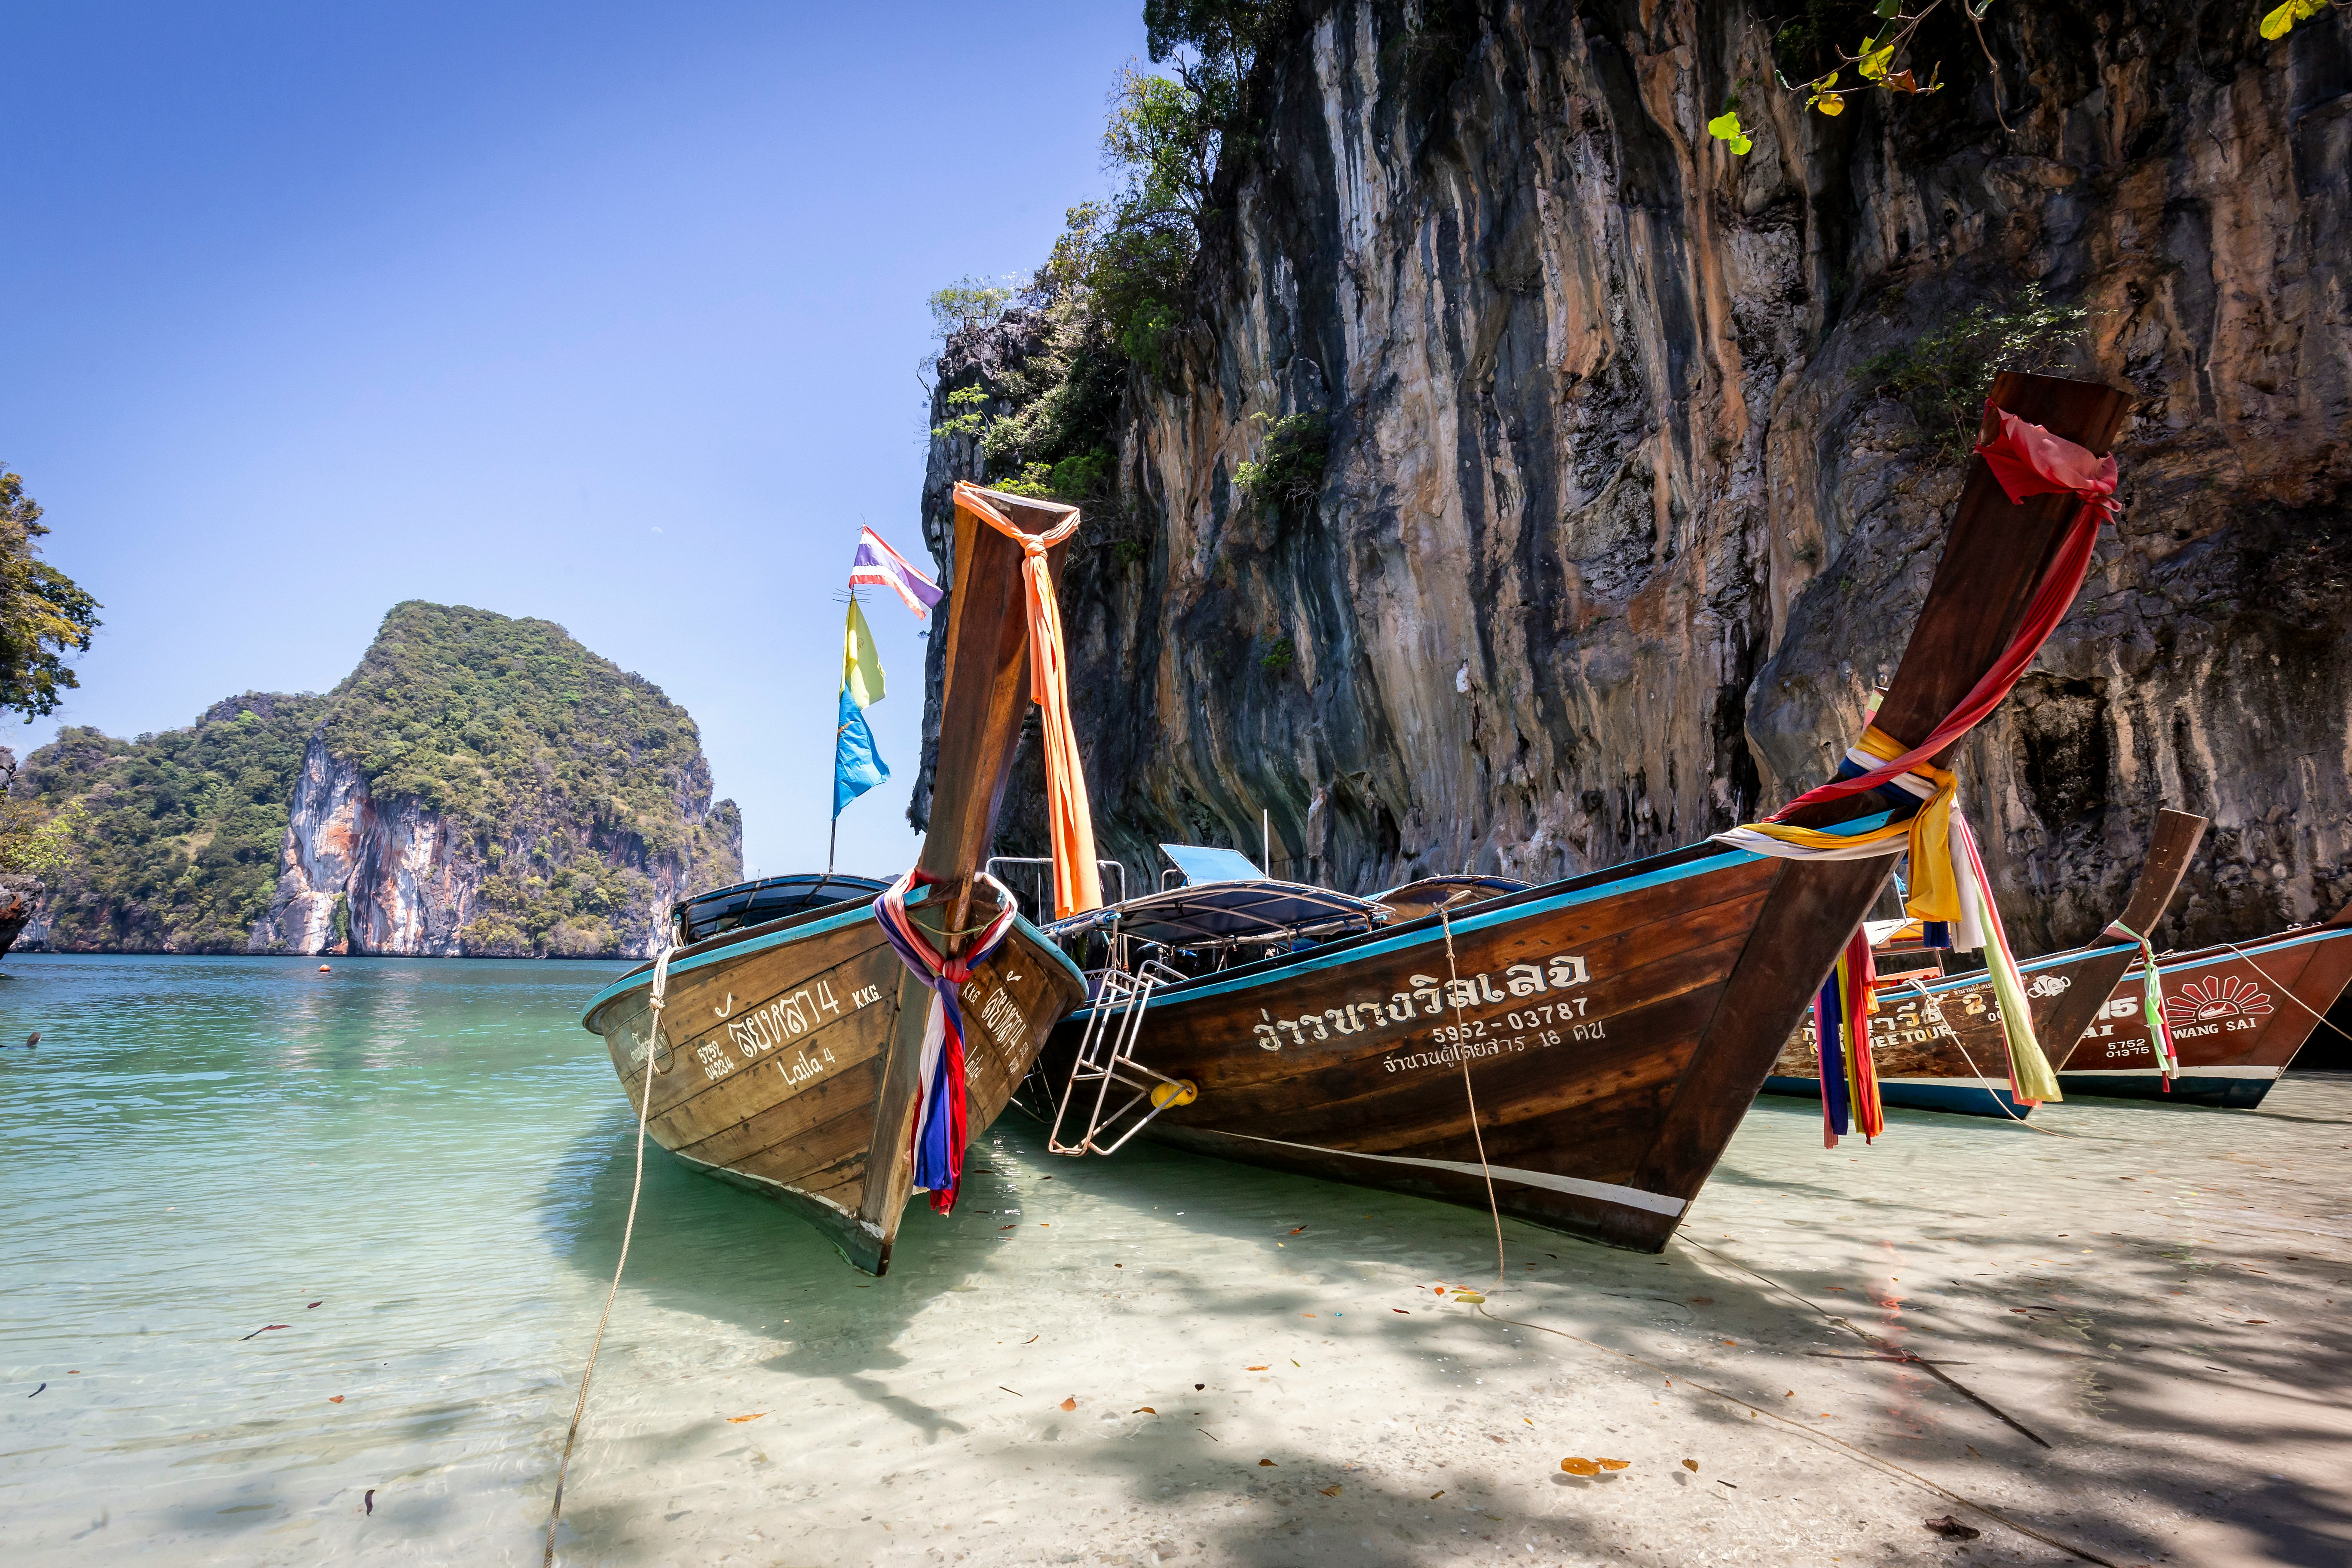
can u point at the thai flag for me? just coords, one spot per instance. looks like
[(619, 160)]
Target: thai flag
[(880, 566)]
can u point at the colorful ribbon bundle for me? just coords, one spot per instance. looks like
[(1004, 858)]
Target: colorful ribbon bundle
[(1947, 881), (2151, 1004), (939, 1138), (1842, 1036)]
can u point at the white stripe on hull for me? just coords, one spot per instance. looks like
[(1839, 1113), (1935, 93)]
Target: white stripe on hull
[(1576, 1186), (1932, 1082)]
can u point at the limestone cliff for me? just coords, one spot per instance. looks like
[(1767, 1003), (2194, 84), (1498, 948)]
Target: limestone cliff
[(20, 897), (1612, 539), (478, 785)]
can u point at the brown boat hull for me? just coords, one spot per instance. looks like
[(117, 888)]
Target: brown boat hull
[(1938, 1045), (2238, 1018), (2233, 1027), (1600, 1019), (1944, 1050), (789, 1058)]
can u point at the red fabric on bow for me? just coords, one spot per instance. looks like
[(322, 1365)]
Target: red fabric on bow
[(2026, 461), (2029, 461)]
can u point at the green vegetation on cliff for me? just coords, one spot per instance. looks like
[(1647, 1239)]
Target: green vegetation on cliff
[(476, 716), (557, 761), (178, 848), (1118, 286)]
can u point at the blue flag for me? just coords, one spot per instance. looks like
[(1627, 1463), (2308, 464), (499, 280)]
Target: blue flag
[(856, 766)]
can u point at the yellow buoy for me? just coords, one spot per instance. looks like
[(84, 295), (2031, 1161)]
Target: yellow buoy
[(1183, 1091)]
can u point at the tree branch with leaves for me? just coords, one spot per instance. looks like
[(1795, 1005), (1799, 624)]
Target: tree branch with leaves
[(43, 615)]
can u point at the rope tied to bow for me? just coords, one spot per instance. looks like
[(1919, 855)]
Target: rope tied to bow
[(656, 998), (2151, 1003)]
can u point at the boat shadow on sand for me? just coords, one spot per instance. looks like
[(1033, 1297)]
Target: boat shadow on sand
[(707, 1250), (2142, 1400)]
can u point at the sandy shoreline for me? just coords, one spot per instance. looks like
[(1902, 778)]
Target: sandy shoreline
[(2097, 1287)]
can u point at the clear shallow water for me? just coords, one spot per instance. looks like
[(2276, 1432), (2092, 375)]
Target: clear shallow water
[(437, 1155)]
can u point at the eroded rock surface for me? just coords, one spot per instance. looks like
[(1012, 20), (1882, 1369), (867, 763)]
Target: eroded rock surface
[(1611, 541)]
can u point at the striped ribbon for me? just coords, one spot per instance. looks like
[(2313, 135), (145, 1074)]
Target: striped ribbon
[(940, 1136), (1924, 833), (2031, 1081), (2151, 1003), (1841, 1038)]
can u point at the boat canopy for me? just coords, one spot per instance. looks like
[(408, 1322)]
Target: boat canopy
[(1203, 865), (1430, 894), (1234, 912), (771, 898)]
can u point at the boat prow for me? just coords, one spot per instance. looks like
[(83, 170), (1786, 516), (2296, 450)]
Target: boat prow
[(774, 1071), (790, 1053)]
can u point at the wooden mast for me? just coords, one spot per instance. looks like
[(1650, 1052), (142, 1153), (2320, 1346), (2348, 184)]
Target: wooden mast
[(983, 699), (1991, 564), (2060, 1025)]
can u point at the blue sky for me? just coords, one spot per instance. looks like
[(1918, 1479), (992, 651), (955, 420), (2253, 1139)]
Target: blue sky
[(604, 314)]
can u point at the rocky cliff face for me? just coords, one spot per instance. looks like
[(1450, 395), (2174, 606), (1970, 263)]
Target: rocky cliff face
[(480, 785), (1611, 540), (360, 877)]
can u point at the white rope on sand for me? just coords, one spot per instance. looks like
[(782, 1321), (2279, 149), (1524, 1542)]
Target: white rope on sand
[(655, 1001)]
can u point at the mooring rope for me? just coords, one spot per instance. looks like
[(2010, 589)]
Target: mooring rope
[(1893, 1350), (1961, 1046), (1462, 1055), (654, 1001)]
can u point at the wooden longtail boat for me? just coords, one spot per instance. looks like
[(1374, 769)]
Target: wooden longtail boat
[(1615, 1026), (787, 1059), (2237, 1014), (1938, 1039)]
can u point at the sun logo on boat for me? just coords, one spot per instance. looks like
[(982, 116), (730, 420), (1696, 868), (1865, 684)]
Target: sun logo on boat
[(2223, 996)]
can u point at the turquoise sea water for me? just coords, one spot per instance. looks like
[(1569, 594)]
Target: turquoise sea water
[(200, 1147), (420, 1170)]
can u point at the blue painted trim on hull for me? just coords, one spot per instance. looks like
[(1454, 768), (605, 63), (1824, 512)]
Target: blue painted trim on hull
[(1919, 1094), (636, 978), (1468, 923)]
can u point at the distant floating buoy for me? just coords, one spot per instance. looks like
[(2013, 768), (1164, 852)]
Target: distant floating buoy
[(326, 969)]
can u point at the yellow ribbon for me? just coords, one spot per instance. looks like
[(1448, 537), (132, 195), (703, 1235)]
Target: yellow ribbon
[(1935, 891)]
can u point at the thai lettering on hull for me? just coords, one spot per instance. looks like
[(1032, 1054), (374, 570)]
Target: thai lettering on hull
[(750, 1034), (1491, 1012)]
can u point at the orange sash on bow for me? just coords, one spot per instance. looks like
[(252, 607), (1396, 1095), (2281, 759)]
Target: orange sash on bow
[(1078, 882)]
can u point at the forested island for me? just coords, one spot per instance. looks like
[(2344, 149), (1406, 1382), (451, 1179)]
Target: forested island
[(480, 785)]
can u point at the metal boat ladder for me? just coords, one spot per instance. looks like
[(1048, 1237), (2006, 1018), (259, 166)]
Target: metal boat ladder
[(1106, 1056)]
